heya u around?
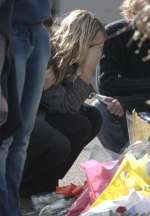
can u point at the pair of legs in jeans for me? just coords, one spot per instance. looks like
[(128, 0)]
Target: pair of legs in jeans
[(55, 143), (31, 54)]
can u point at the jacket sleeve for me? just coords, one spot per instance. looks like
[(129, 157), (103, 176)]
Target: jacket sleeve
[(135, 102), (113, 79), (66, 98)]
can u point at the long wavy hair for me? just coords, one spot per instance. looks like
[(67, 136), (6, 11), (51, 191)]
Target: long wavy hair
[(130, 8), (71, 40)]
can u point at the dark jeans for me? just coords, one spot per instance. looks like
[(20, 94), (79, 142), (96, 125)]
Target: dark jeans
[(54, 146)]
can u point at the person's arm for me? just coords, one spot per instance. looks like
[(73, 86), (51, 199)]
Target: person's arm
[(138, 102), (50, 79), (66, 99)]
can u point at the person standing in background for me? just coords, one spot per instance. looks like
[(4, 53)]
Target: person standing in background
[(123, 75), (9, 106), (31, 51)]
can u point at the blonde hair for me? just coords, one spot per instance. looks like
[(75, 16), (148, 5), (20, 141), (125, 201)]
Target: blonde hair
[(71, 40), (130, 8)]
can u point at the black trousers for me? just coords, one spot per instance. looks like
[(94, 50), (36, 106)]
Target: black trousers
[(55, 143)]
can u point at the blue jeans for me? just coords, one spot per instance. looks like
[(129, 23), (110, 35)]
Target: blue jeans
[(114, 133), (31, 53)]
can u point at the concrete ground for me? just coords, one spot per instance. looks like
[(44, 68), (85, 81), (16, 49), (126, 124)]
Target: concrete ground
[(93, 149), (75, 174)]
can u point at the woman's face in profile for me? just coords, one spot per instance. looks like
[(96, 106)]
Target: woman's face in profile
[(98, 40), (96, 44)]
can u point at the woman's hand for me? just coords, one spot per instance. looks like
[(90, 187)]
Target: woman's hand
[(49, 79), (88, 68), (113, 105)]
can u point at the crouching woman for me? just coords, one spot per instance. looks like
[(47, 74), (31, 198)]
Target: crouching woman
[(68, 124)]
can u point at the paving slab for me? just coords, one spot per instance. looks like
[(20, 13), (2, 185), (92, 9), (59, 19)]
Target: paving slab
[(75, 174)]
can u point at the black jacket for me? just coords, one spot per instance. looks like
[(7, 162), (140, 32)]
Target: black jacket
[(123, 73), (8, 79)]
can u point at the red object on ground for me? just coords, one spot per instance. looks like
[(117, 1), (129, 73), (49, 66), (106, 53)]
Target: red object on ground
[(121, 209), (69, 190), (77, 191)]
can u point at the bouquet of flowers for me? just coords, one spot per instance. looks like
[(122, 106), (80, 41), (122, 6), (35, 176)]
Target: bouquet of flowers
[(128, 193)]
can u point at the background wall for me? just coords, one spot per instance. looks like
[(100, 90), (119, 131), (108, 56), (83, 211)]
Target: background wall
[(106, 10)]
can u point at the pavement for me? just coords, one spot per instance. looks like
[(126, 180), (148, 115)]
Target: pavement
[(94, 150), (75, 175)]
